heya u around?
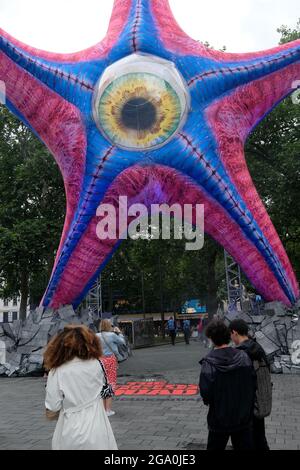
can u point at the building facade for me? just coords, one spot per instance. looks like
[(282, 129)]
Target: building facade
[(9, 310)]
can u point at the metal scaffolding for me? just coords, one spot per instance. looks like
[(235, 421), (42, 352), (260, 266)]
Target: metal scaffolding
[(94, 299), (233, 281)]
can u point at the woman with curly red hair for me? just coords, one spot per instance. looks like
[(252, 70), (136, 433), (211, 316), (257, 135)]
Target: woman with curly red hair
[(73, 393)]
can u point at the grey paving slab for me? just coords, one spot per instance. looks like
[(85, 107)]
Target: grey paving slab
[(147, 423)]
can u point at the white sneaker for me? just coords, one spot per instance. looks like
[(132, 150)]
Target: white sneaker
[(110, 413)]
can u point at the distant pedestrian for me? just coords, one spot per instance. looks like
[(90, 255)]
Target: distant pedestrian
[(200, 329), (258, 304), (263, 402), (110, 338), (171, 325), (73, 392), (187, 330), (227, 386)]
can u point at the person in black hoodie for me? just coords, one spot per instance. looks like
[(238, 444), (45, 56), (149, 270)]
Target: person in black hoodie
[(240, 336), (227, 385)]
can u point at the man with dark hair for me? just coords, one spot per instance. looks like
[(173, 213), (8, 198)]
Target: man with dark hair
[(240, 336), (227, 386)]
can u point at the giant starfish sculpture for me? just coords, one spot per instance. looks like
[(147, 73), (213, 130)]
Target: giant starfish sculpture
[(168, 124)]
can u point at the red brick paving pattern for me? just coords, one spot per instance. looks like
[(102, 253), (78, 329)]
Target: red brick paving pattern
[(161, 388)]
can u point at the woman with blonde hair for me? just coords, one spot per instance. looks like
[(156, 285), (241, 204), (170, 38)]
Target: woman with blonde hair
[(110, 338), (73, 392)]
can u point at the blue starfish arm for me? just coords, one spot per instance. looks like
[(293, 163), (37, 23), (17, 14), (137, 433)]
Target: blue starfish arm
[(139, 27), (74, 75), (224, 77), (71, 81)]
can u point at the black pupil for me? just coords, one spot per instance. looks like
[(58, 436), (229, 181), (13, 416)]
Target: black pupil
[(138, 114)]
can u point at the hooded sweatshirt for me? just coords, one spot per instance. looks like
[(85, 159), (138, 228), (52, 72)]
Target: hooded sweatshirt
[(227, 386), (254, 351)]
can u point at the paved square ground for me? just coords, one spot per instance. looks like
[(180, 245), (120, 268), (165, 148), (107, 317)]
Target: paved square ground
[(147, 423)]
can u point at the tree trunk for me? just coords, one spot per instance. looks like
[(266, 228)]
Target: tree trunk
[(212, 303), (110, 298), (24, 295)]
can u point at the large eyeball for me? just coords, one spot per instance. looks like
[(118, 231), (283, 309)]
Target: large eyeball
[(140, 102)]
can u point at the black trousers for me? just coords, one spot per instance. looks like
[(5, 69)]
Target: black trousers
[(242, 440), (187, 335), (259, 435), (173, 336)]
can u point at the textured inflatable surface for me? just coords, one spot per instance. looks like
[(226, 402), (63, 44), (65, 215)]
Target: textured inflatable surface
[(155, 115)]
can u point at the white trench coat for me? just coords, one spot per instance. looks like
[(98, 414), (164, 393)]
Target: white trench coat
[(74, 390)]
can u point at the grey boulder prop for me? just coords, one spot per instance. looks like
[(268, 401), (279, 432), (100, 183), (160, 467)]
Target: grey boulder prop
[(277, 329), (25, 342)]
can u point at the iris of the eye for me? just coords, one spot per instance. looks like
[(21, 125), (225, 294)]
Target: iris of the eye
[(138, 114)]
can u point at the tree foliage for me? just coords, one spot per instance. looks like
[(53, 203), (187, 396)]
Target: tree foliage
[(31, 211)]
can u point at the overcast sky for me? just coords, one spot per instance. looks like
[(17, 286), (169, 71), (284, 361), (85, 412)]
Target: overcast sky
[(72, 25)]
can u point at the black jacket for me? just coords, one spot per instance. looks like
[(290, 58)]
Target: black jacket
[(227, 385)]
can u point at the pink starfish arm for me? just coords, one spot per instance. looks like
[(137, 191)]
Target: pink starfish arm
[(232, 119), (57, 123)]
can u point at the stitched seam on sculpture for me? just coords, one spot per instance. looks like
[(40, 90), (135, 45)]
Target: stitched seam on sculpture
[(136, 24), (57, 72), (91, 187), (241, 68), (213, 173)]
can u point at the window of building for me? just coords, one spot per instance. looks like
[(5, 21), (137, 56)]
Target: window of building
[(15, 301), (5, 303)]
